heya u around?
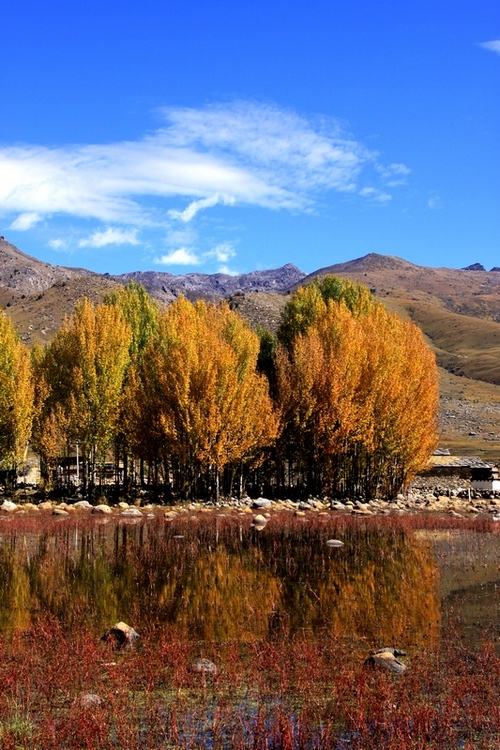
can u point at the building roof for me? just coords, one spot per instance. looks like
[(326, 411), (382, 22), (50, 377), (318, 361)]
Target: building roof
[(454, 462)]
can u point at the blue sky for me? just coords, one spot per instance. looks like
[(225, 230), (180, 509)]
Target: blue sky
[(243, 135)]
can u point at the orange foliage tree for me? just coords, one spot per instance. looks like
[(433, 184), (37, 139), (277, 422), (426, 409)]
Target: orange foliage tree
[(199, 404), (359, 394)]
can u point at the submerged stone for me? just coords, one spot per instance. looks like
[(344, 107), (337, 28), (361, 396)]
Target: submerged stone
[(60, 512), (386, 658), (204, 666), (89, 700), (259, 522), (82, 505), (131, 513)]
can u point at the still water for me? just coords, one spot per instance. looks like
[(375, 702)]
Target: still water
[(216, 578)]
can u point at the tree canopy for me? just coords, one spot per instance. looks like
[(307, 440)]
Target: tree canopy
[(16, 396)]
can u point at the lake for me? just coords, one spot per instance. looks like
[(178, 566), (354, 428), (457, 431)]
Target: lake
[(287, 619)]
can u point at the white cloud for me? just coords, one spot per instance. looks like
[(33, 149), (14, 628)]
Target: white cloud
[(228, 271), (180, 257), (375, 195), (222, 252), (434, 201), (57, 244), (243, 153), (193, 208), (110, 236), (25, 221), (493, 46), (184, 256), (394, 174)]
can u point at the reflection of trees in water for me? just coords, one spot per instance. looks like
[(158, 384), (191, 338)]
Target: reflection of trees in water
[(381, 585), (223, 597), (221, 581)]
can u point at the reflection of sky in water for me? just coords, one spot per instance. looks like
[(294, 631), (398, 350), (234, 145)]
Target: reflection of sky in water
[(223, 580), (469, 565)]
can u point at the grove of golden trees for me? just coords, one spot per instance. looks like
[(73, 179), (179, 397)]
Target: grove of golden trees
[(190, 402), (358, 392), (198, 410)]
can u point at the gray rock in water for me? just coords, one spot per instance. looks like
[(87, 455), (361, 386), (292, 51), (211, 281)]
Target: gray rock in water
[(102, 509), (337, 505), (262, 502), (89, 700), (171, 515), (259, 522), (387, 660), (204, 666), (60, 512), (120, 636), (131, 513), (388, 649), (82, 505)]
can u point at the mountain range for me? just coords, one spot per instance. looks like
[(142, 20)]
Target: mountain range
[(458, 311)]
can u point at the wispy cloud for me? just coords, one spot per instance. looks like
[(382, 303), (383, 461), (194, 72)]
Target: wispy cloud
[(434, 202), (394, 174), (222, 253), (57, 244), (196, 206), (374, 194), (25, 221), (242, 153), (493, 46), (110, 236)]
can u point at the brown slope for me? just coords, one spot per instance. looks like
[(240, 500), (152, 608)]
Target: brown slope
[(458, 310), (37, 317), (38, 295), (474, 293), (23, 274)]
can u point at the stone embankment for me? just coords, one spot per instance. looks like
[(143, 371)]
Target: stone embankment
[(455, 501)]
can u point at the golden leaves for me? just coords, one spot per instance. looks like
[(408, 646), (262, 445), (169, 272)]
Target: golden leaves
[(199, 378), (360, 385), (16, 396)]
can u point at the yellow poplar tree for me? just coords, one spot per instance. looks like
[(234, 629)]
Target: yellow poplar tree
[(16, 396), (140, 311), (81, 376), (199, 380), (358, 389)]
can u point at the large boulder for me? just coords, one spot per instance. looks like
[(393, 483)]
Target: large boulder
[(262, 502)]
